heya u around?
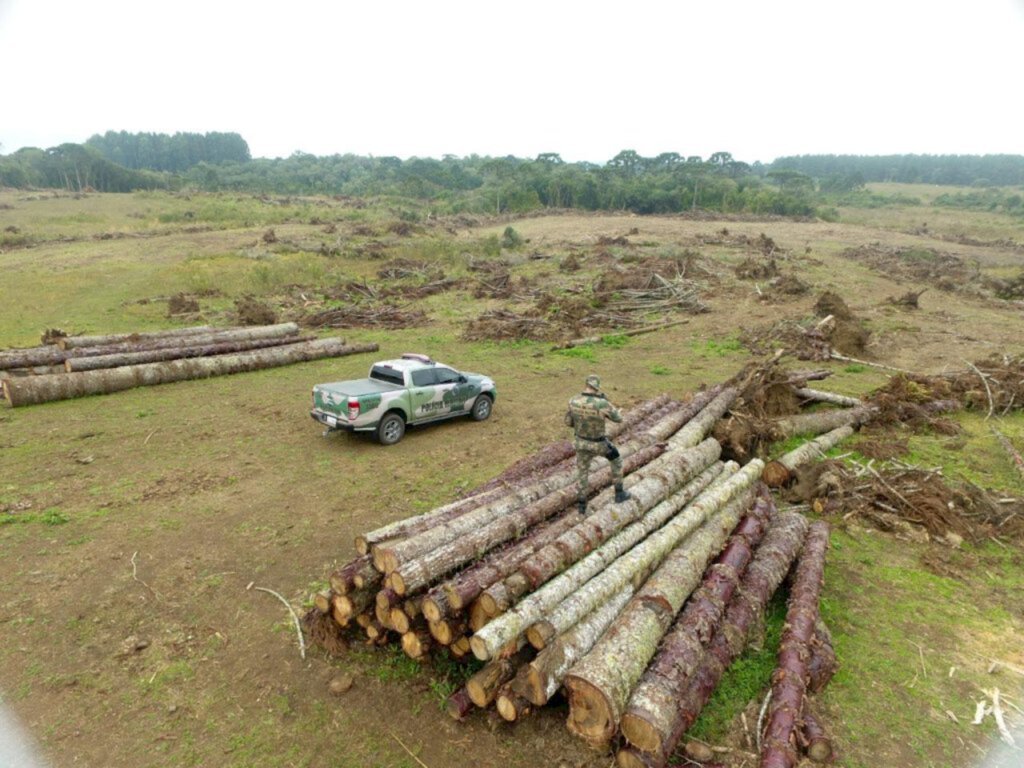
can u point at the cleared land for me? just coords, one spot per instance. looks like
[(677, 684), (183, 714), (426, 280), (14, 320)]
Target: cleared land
[(131, 524)]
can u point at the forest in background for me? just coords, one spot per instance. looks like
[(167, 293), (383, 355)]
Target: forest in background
[(806, 185)]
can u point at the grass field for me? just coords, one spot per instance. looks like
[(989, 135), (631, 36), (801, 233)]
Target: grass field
[(132, 525)]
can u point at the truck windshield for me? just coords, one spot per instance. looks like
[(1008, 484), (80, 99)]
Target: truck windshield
[(390, 375)]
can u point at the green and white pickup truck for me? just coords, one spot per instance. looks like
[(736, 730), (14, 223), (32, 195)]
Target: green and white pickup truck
[(411, 390)]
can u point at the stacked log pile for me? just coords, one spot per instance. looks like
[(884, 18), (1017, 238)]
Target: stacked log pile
[(551, 600), (73, 366)]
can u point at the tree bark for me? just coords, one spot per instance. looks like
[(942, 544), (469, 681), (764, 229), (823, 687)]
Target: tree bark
[(75, 342), (553, 457), (41, 389), (763, 576), (780, 747), (818, 396), (343, 580), (484, 685), (778, 473), (682, 649), (541, 678), (822, 664), (572, 546), (823, 421), (600, 684), (813, 738), (459, 704), (390, 556), (73, 364), (429, 567)]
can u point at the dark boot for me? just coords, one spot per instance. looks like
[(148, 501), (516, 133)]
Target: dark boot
[(581, 505), (621, 494)]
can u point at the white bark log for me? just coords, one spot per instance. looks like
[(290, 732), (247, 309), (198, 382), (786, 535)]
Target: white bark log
[(617, 661), (505, 628), (814, 449), (820, 396)]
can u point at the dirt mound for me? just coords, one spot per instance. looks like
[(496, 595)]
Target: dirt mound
[(252, 311), (182, 304), (831, 303), (789, 285)]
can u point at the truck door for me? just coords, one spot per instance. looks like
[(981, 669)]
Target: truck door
[(427, 402), (449, 384)]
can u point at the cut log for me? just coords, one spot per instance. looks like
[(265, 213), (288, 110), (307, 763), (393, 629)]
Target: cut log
[(822, 664), (541, 678), (417, 643), (447, 631), (400, 620), (813, 738), (355, 602), (135, 357), (434, 564), (633, 332), (554, 558), (789, 681), (600, 684), (818, 396), (459, 704), (343, 580), (255, 332), (771, 562), (822, 421), (484, 685), (682, 649), (778, 473), (605, 519), (460, 648), (647, 554), (548, 458), (510, 705), (694, 431), (41, 389), (322, 601), (390, 556)]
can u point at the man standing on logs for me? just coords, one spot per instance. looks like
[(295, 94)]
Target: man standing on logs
[(586, 415)]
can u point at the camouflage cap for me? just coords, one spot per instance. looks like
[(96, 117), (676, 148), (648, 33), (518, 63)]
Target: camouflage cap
[(594, 381)]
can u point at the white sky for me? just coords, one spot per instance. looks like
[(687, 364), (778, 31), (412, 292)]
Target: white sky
[(755, 78)]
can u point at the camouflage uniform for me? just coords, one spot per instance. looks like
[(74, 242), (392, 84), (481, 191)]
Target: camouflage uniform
[(586, 415)]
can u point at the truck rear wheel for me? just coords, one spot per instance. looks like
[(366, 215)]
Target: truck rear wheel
[(481, 408), (391, 429)]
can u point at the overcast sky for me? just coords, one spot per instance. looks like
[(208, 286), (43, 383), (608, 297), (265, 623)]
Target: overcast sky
[(583, 79)]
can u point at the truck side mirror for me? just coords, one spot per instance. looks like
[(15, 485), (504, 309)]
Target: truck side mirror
[(462, 378)]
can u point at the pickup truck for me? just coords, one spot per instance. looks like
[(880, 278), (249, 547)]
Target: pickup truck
[(410, 390)]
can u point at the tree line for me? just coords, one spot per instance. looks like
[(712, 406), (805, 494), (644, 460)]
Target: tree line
[(809, 185)]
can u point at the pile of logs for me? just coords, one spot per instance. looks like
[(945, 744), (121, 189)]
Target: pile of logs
[(72, 366), (634, 610)]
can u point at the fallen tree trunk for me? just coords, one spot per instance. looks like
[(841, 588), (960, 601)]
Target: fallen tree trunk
[(1013, 453), (428, 568), (813, 739), (822, 421), (93, 363), (600, 684), (33, 357), (77, 342), (818, 396), (41, 389), (694, 431), (634, 332), (771, 562), (390, 556), (778, 473), (541, 678), (548, 458), (653, 702), (822, 664), (646, 554), (780, 748), (574, 544)]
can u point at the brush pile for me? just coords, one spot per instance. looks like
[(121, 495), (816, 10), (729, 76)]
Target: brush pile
[(551, 600), (73, 366)]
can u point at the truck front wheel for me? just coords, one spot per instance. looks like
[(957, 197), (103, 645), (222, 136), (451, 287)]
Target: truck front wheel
[(481, 408), (391, 429)]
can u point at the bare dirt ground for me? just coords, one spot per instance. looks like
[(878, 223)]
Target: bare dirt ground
[(130, 634)]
